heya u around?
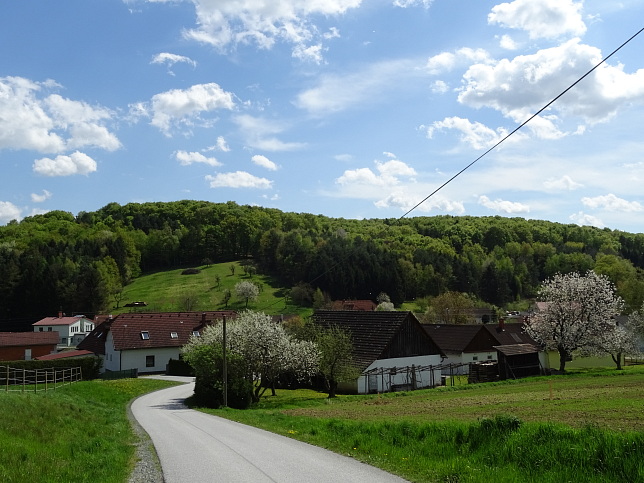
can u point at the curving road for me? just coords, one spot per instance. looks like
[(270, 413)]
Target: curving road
[(194, 446)]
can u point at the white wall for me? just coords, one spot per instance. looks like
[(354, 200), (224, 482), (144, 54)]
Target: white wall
[(135, 359), (383, 383)]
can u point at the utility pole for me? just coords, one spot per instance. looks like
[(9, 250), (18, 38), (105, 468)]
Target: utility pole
[(225, 362)]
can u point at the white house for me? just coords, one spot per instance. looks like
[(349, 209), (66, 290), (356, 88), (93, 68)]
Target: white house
[(146, 342), (390, 348), (71, 330)]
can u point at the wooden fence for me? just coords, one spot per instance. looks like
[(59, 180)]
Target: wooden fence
[(33, 380)]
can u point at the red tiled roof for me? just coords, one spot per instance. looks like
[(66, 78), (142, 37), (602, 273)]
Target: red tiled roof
[(60, 320), (127, 329), (366, 305), (64, 355), (15, 339)]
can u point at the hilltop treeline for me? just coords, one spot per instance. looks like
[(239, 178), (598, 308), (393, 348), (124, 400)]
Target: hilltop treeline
[(81, 263)]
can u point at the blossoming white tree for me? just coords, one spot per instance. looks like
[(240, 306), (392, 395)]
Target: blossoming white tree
[(265, 348), (579, 313), (247, 290), (625, 339)]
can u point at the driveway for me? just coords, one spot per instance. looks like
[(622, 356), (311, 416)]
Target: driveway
[(194, 446)]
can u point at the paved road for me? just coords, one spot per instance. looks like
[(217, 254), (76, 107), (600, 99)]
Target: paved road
[(198, 447)]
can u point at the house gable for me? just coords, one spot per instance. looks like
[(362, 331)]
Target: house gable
[(379, 335)]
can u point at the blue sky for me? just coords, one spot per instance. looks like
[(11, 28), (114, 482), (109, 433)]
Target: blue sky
[(346, 108)]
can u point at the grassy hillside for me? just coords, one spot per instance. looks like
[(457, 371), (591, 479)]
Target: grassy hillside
[(170, 291)]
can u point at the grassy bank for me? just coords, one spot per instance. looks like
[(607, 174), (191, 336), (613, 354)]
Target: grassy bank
[(583, 427), (78, 433)]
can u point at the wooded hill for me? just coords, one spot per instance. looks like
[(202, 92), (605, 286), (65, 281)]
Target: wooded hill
[(81, 263)]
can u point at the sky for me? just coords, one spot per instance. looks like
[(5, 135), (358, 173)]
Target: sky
[(346, 108)]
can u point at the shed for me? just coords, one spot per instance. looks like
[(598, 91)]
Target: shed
[(518, 360)]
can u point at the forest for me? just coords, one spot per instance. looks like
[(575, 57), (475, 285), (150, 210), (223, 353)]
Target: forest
[(81, 263)]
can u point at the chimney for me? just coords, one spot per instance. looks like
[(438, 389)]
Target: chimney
[(501, 323), (60, 313)]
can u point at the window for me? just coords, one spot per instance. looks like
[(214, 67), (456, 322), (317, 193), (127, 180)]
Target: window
[(196, 333), (174, 335), (145, 335), (40, 329), (475, 358), (489, 356), (64, 341), (48, 329), (149, 361)]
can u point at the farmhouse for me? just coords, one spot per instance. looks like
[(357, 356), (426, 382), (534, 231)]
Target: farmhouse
[(475, 343), (391, 349), (146, 341), (24, 346), (70, 330)]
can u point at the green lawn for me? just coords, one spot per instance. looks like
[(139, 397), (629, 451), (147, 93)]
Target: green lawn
[(77, 433)]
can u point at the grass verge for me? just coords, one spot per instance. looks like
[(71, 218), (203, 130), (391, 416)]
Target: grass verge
[(78, 433), (589, 430)]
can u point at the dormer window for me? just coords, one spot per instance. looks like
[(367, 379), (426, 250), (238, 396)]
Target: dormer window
[(145, 335), (196, 333), (174, 335)]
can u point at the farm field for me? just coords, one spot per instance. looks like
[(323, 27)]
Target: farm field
[(591, 429)]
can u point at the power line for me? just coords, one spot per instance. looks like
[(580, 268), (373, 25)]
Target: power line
[(498, 143), (521, 125)]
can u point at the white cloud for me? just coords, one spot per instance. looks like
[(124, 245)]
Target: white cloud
[(520, 86), (335, 93), (170, 59), (475, 134), (62, 165), (389, 174), (220, 145), (225, 23), (548, 19), (506, 42), (312, 53), (439, 87), (413, 3), (447, 61), (345, 158), (581, 218), (406, 202), (36, 198), (178, 106), (264, 162), (565, 183), (8, 212), (238, 179), (259, 133), (611, 202), (51, 124), (504, 206), (185, 159)]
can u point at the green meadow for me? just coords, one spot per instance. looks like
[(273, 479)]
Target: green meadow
[(586, 427), (172, 291)]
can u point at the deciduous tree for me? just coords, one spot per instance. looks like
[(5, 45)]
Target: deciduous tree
[(264, 346), (579, 312)]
